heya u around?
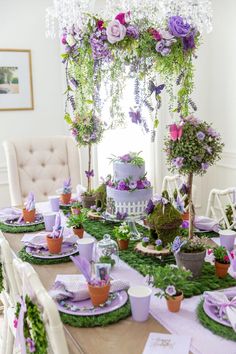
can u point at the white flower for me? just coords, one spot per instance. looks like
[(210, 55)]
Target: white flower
[(170, 290), (115, 32), (70, 40)]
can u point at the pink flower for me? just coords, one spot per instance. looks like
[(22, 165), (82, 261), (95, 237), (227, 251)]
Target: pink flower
[(123, 17), (15, 323), (115, 32), (176, 131), (226, 259), (232, 254), (155, 34), (209, 251), (63, 39), (100, 24)]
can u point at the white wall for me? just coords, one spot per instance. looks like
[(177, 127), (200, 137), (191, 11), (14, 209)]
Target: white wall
[(22, 27)]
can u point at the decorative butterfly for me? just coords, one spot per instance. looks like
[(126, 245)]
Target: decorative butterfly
[(89, 173), (176, 131), (157, 89), (135, 117)]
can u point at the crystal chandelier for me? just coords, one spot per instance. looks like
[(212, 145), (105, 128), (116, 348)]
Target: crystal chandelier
[(72, 12)]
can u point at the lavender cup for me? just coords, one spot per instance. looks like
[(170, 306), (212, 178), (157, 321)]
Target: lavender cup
[(227, 239), (54, 203), (139, 297), (49, 221), (85, 246)]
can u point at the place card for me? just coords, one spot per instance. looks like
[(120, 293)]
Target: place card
[(167, 344)]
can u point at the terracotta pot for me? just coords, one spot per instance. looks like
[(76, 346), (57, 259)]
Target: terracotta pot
[(123, 244), (99, 295), (65, 198), (29, 215), (75, 210), (191, 261), (88, 201), (54, 244), (185, 216), (78, 232), (174, 303), (221, 269)]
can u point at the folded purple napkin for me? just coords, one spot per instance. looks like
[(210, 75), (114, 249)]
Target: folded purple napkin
[(206, 224), (57, 228), (74, 287), (10, 213), (38, 240), (67, 186), (30, 202)]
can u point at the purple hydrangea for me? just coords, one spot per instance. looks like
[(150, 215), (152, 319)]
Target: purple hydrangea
[(99, 48), (150, 207), (170, 290), (201, 136), (132, 31), (204, 166), (178, 162)]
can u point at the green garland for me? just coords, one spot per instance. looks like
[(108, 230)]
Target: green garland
[(33, 327), (99, 320), (216, 328), (26, 257), (21, 229)]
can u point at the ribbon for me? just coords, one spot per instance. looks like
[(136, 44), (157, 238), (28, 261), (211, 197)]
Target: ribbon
[(222, 307), (20, 338), (232, 261)]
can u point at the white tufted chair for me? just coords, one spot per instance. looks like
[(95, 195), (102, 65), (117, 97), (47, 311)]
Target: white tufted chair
[(40, 165)]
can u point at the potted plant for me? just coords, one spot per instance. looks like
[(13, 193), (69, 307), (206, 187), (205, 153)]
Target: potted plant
[(163, 218), (107, 259), (76, 222), (55, 238), (29, 212), (222, 261), (66, 191), (122, 234), (145, 241), (76, 208), (190, 253), (171, 280)]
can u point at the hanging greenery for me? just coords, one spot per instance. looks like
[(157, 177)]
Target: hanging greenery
[(103, 55)]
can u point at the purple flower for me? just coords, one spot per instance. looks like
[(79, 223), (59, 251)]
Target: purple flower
[(165, 51), (158, 242), (201, 136), (146, 183), (184, 189), (185, 224), (150, 207), (145, 239), (115, 31), (122, 186), (121, 216), (213, 133), (140, 184), (170, 290), (189, 41), (205, 166), (178, 27), (160, 46), (178, 162), (132, 31), (135, 117), (179, 204), (177, 244), (133, 185), (31, 344), (99, 48)]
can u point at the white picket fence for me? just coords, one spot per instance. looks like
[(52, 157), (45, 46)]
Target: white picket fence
[(131, 208)]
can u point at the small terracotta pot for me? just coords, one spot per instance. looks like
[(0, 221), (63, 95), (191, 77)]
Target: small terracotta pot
[(29, 215), (65, 198), (174, 303), (221, 269), (185, 216), (99, 295), (78, 232), (75, 210), (123, 244), (54, 244)]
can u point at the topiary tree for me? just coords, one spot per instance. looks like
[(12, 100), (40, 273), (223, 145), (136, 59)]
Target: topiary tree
[(191, 148)]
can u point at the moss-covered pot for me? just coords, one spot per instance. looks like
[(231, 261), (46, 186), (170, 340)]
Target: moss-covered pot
[(191, 261), (88, 201)]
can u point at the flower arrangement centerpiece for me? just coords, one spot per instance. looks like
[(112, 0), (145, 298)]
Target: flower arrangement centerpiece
[(55, 238), (76, 222), (102, 53), (171, 281), (122, 234), (163, 218), (191, 148), (222, 260), (29, 211), (66, 191), (190, 253)]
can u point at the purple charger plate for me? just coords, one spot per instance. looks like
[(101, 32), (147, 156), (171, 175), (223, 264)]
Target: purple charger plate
[(13, 222), (118, 302), (210, 309), (66, 250)]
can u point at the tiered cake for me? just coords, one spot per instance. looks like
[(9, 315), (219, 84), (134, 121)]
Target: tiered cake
[(129, 191)]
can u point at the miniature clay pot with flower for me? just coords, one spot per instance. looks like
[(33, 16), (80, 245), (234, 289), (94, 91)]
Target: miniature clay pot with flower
[(191, 147), (163, 218), (189, 253), (222, 261), (76, 222), (171, 281), (122, 234), (76, 208), (55, 238), (29, 210), (66, 191)]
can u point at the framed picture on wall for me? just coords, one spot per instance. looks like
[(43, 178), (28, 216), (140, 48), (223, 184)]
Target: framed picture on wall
[(16, 88)]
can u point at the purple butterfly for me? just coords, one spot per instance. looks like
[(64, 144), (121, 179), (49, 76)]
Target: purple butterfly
[(135, 116), (121, 216), (156, 89), (89, 173)]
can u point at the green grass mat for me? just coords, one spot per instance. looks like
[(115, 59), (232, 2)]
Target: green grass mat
[(39, 261), (21, 229)]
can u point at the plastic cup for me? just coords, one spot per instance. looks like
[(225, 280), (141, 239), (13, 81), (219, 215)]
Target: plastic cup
[(139, 297), (54, 203), (85, 246), (49, 221), (227, 239)]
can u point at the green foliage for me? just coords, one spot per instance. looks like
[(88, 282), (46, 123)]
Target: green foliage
[(101, 197), (15, 80), (122, 232), (107, 259), (77, 220), (220, 254), (194, 151), (76, 205), (162, 277), (21, 229), (131, 157)]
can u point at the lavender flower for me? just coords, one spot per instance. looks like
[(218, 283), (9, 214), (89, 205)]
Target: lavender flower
[(213, 133), (122, 186), (177, 244), (165, 51), (31, 344), (160, 46), (132, 31), (145, 239), (125, 158), (189, 41), (204, 166), (184, 189), (185, 224), (150, 207), (158, 242), (140, 184), (178, 162), (146, 183), (133, 185), (201, 136), (99, 48), (170, 290), (179, 204)]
